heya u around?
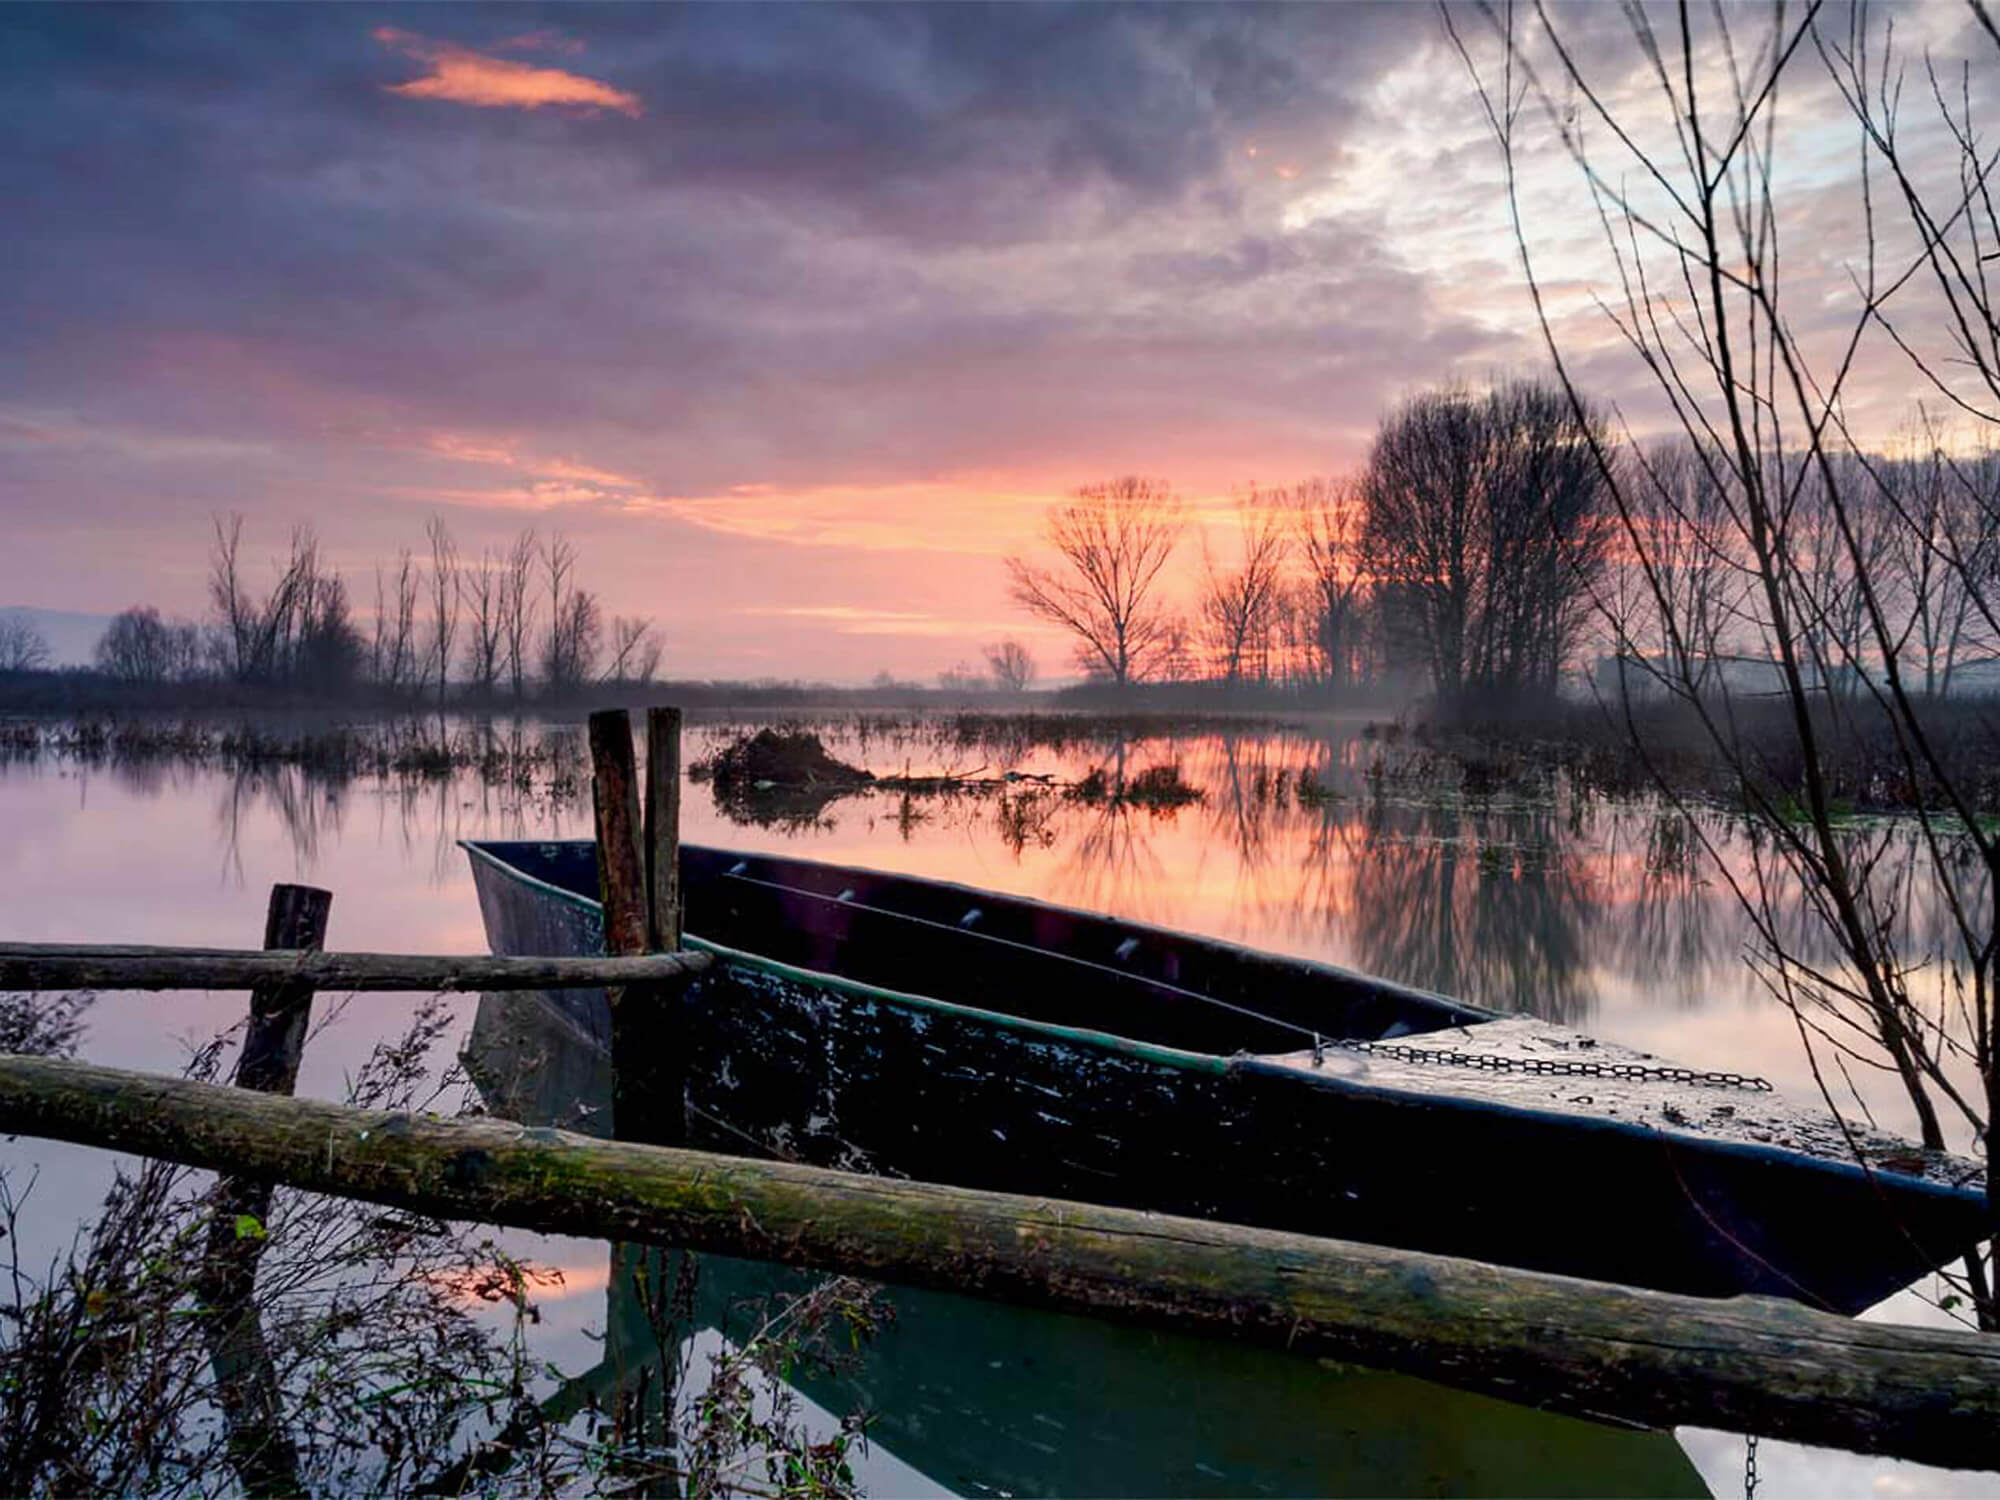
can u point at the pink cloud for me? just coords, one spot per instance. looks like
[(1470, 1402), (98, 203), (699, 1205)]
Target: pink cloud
[(505, 453), (972, 516), (463, 76), (539, 495)]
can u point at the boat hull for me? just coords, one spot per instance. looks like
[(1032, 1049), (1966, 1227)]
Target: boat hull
[(812, 1067)]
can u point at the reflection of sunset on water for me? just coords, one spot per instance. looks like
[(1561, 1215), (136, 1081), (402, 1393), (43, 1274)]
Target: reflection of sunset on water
[(547, 1281)]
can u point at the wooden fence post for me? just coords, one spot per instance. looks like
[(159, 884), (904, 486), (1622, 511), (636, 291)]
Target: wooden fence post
[(665, 1049), (647, 1088), (639, 878), (614, 790), (663, 828), (260, 1449), (280, 1013)]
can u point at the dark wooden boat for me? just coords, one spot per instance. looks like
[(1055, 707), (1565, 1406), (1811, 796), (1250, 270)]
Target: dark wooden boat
[(922, 1029), (986, 1399)]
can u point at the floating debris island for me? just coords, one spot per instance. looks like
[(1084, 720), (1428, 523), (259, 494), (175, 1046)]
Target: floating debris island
[(777, 776)]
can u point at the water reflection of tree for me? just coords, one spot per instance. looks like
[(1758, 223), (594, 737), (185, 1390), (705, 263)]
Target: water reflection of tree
[(1026, 816), (1916, 890), (1512, 905), (1242, 809), (1111, 864), (150, 777), (309, 809), (517, 783), (1478, 906), (1335, 833), (1667, 922)]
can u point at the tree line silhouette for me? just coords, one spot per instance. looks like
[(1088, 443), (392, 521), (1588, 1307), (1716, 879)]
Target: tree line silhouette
[(1495, 542), (512, 625)]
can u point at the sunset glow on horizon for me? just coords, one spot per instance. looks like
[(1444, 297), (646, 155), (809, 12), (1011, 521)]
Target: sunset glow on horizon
[(795, 320)]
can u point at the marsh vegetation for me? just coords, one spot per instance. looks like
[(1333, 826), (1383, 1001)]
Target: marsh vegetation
[(387, 1352)]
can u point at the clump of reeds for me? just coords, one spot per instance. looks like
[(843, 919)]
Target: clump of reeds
[(389, 750), (1311, 791)]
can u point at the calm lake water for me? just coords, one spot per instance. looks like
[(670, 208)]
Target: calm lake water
[(1598, 914)]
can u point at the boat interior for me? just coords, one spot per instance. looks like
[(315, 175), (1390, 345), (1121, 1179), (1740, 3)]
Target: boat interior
[(1016, 956)]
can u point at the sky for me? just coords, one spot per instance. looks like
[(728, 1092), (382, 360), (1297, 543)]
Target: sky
[(793, 319)]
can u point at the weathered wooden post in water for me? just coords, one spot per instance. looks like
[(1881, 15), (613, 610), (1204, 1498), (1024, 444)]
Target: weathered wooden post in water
[(279, 1013), (260, 1449), (640, 888), (639, 882), (663, 828)]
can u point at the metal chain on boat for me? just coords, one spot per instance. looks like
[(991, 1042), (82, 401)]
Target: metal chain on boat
[(1750, 1468), (1497, 1062)]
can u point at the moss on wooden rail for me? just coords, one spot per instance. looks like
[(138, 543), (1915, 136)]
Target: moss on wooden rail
[(1748, 1364), (67, 966)]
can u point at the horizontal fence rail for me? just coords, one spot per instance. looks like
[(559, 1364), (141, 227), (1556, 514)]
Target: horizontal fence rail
[(59, 966), (1614, 1353)]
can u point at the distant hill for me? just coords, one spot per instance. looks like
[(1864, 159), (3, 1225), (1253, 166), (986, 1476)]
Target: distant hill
[(72, 637)]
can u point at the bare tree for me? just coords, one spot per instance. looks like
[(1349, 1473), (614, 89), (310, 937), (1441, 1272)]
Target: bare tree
[(517, 609), (1949, 536), (253, 634), (1175, 660), (327, 651), (1842, 526), (22, 647), (140, 647), (1327, 517), (558, 559), (1693, 549), (396, 659), (1112, 540), (1695, 217), (482, 588), (1691, 558), (1483, 528), (574, 640), (963, 677), (1240, 605), (1299, 663), (1012, 666), (236, 626), (298, 635), (576, 624), (444, 601), (635, 650)]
